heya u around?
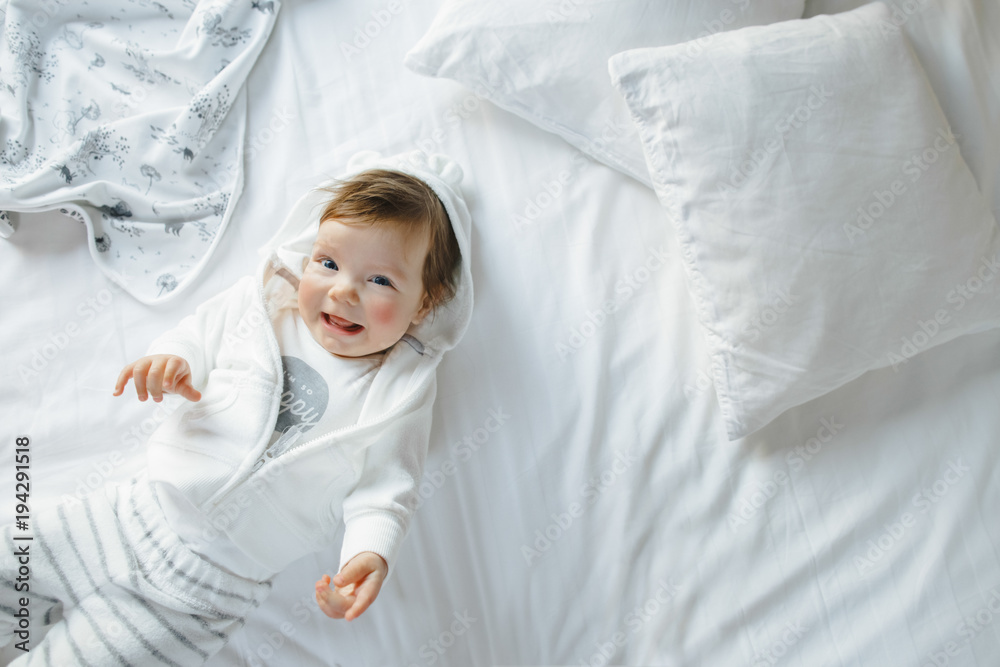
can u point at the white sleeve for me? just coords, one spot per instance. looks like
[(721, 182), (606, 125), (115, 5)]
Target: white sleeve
[(199, 336), (377, 513)]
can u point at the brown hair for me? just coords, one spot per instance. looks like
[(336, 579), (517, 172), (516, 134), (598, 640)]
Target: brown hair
[(385, 197)]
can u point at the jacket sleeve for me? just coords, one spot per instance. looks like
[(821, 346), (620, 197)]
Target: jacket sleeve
[(377, 513), (199, 336)]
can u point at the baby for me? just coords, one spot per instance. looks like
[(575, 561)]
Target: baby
[(301, 396)]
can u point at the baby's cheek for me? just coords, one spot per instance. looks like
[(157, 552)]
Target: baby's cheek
[(309, 298), (383, 314)]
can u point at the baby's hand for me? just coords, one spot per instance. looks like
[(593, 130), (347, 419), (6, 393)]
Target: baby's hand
[(157, 374), (356, 587)]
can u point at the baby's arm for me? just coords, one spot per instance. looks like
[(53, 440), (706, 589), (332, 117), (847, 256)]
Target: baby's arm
[(195, 343), (157, 374), (355, 588), (377, 513)]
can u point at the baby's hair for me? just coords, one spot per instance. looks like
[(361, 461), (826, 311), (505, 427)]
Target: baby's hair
[(386, 197)]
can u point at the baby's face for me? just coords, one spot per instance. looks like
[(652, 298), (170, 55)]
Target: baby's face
[(362, 287)]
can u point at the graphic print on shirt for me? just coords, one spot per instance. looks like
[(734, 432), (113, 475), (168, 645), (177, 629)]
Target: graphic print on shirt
[(304, 398)]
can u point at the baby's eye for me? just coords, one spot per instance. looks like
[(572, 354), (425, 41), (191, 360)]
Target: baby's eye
[(387, 282), (328, 264)]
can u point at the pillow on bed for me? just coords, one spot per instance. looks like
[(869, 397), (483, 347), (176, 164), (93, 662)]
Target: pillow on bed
[(827, 220), (547, 61)]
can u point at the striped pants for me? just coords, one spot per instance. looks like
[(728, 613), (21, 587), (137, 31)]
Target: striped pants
[(131, 592)]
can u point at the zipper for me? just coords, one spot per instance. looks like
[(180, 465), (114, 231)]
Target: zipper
[(234, 484), (272, 342)]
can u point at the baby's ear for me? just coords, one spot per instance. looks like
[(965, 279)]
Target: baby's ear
[(425, 309)]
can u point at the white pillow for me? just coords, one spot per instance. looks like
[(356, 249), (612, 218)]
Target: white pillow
[(547, 61), (828, 222)]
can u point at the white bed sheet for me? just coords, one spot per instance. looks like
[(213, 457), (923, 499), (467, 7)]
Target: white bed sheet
[(558, 401)]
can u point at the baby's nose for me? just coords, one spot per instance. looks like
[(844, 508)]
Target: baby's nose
[(344, 290)]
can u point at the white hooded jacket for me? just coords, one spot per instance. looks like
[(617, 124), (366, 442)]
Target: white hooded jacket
[(368, 474)]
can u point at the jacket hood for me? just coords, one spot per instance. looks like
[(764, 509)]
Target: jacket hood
[(291, 246)]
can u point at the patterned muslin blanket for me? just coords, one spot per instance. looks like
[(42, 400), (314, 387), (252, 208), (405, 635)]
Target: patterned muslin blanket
[(129, 116)]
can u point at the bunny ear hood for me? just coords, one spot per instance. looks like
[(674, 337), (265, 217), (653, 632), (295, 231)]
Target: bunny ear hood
[(292, 245)]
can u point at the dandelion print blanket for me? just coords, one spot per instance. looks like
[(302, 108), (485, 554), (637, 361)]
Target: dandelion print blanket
[(128, 117)]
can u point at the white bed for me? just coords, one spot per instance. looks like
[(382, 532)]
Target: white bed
[(584, 487)]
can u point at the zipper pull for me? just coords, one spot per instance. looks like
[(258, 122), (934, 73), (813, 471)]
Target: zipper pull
[(284, 442)]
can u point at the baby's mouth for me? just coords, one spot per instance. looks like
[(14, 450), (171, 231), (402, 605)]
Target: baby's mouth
[(341, 323)]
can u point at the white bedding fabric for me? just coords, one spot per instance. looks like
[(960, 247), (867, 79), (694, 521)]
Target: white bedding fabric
[(827, 223), (547, 61), (557, 415)]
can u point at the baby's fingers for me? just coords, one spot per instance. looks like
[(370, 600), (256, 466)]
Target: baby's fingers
[(177, 379), (123, 379), (187, 391), (366, 594), (332, 604), (139, 371), (170, 371), (154, 380)]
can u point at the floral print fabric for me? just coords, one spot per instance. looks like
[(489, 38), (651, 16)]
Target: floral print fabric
[(128, 116)]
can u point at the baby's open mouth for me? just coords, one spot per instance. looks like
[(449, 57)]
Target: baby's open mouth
[(341, 323)]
